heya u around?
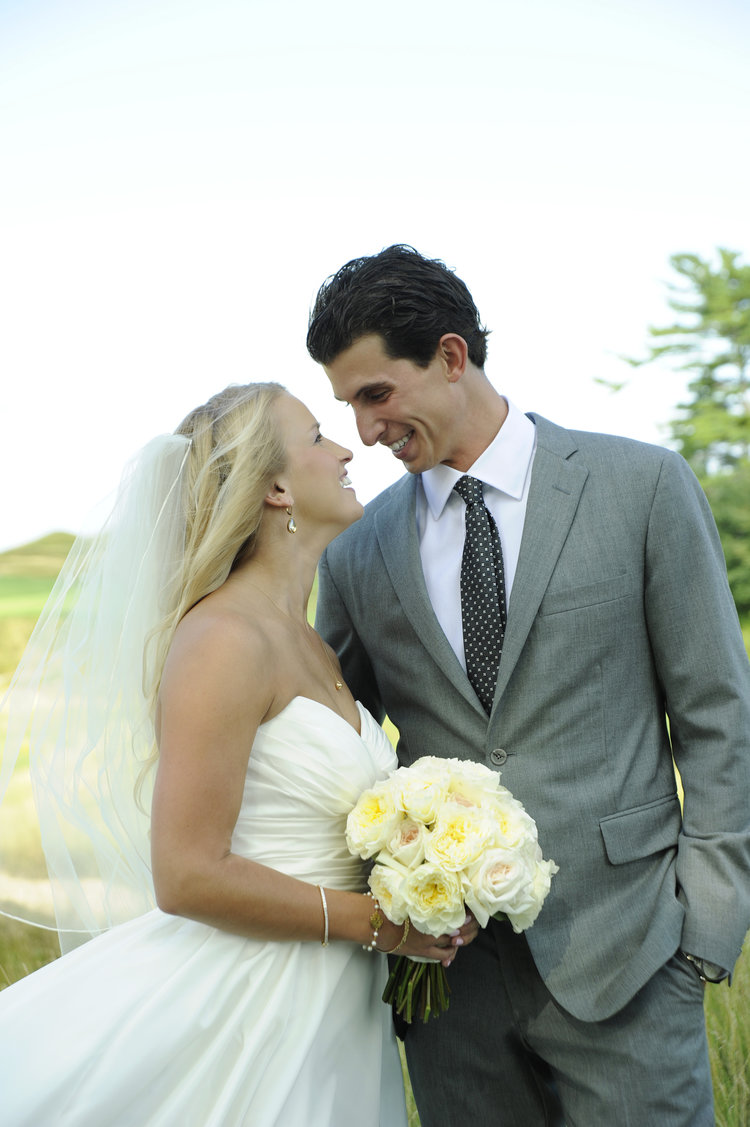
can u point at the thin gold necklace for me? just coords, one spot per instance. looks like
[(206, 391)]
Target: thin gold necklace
[(338, 683)]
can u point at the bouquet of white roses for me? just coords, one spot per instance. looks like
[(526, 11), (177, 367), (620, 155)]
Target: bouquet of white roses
[(446, 836)]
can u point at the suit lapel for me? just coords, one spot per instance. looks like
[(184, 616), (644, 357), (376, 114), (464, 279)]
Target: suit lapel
[(396, 528), (554, 494)]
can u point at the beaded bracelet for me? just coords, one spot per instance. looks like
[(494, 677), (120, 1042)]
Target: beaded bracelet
[(376, 922), (324, 940)]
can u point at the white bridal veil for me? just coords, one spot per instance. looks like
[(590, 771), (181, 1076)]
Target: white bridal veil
[(77, 702)]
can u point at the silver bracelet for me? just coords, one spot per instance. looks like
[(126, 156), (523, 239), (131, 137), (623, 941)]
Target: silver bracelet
[(324, 940)]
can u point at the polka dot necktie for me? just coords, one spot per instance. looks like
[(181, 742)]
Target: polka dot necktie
[(482, 592)]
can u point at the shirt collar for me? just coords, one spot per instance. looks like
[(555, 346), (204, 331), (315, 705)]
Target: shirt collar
[(504, 465)]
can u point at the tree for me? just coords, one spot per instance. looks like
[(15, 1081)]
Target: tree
[(729, 497), (711, 340)]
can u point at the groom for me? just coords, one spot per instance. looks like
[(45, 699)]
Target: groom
[(608, 608)]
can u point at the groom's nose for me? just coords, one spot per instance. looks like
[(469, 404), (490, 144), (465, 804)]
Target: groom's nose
[(370, 428)]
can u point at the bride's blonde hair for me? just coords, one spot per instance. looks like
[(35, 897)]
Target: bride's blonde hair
[(236, 452)]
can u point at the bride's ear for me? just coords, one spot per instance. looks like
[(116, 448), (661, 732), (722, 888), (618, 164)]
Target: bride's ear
[(278, 496)]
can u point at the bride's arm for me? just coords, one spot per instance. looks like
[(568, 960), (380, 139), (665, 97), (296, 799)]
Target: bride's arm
[(219, 684)]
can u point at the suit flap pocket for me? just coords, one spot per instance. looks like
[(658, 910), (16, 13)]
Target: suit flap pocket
[(632, 834), (587, 595)]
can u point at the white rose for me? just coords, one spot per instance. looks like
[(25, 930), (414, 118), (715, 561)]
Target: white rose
[(386, 882), (522, 919), (514, 828), (408, 843), (434, 899), (373, 821), (503, 881), (431, 764), (420, 789), (459, 836), (471, 783)]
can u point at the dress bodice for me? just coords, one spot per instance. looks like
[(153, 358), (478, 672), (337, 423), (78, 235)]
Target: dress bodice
[(307, 768)]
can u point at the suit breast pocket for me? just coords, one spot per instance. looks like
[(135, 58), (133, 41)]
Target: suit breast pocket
[(594, 594)]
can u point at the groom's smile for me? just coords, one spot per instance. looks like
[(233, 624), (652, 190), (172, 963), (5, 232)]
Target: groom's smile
[(397, 446)]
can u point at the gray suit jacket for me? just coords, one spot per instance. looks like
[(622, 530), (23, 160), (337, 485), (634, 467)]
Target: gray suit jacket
[(622, 650)]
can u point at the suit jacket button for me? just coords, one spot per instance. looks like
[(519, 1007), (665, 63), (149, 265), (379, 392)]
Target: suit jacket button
[(498, 756)]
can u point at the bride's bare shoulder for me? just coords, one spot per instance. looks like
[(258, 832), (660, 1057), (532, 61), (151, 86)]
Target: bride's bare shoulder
[(225, 650)]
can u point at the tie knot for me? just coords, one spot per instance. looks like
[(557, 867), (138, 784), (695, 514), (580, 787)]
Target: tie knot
[(470, 489)]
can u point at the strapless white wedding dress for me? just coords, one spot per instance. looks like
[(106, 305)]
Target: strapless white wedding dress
[(165, 1022)]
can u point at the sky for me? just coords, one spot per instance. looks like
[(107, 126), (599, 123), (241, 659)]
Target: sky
[(179, 176)]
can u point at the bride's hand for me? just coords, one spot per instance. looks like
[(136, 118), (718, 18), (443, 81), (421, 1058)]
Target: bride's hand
[(441, 948)]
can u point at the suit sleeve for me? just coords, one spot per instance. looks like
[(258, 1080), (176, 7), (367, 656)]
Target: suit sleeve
[(705, 674), (333, 622)]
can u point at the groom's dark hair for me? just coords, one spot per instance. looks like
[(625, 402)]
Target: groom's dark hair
[(410, 302)]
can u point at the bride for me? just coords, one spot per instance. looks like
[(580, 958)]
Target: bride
[(186, 680)]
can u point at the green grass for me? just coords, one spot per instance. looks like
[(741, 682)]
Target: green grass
[(728, 1025), (41, 557), (23, 596), (24, 949), (27, 575)]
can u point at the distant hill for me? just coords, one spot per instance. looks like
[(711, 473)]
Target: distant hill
[(27, 575), (42, 558)]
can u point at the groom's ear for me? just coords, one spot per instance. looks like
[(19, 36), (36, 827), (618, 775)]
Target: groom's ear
[(453, 352)]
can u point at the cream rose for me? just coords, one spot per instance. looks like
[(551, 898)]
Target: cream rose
[(522, 918), (495, 883), (512, 881), (386, 882), (407, 844), (514, 828), (459, 836), (434, 899), (420, 789), (373, 821), (471, 783)]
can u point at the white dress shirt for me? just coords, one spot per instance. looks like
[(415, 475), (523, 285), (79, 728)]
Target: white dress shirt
[(505, 469)]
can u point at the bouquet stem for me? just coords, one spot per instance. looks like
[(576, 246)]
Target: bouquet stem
[(417, 990)]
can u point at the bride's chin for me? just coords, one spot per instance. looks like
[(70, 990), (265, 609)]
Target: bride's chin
[(354, 513), (358, 513), (344, 521)]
